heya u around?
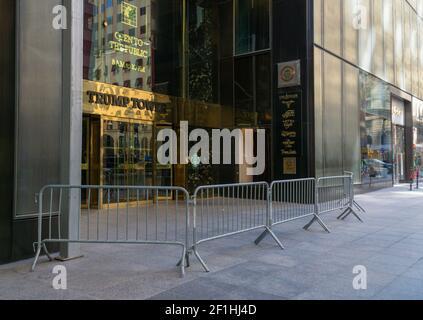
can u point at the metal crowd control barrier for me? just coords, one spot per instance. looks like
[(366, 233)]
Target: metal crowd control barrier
[(292, 200), (295, 199), (225, 210), (160, 215), (118, 215), (335, 193), (355, 203)]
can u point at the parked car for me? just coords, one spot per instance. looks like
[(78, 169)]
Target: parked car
[(377, 168)]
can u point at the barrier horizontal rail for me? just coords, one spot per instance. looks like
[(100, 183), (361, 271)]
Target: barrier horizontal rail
[(117, 215), (226, 210)]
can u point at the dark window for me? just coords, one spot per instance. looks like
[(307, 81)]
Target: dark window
[(139, 83), (127, 66), (252, 24)]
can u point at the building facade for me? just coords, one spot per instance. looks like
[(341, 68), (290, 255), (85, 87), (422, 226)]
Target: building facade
[(368, 89), (337, 85)]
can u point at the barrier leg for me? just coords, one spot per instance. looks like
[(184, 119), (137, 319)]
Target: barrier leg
[(308, 225), (322, 224), (37, 256), (273, 235), (359, 207), (182, 264), (343, 214), (187, 262), (50, 258), (197, 255), (261, 237), (317, 219), (270, 232), (351, 211), (185, 257)]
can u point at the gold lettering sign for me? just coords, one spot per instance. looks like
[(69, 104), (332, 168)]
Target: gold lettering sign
[(289, 134), (126, 44), (290, 166), (290, 108), (109, 100)]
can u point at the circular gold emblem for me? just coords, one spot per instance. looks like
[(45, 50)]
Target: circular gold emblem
[(288, 74)]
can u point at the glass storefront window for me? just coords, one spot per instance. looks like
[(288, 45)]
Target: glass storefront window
[(252, 90), (376, 130), (418, 135), (332, 25), (184, 52), (252, 24), (210, 34)]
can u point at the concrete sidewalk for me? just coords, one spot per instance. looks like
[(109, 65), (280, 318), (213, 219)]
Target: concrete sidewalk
[(315, 265)]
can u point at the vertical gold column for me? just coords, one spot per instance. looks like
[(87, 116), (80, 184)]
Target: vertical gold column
[(180, 170), (184, 50)]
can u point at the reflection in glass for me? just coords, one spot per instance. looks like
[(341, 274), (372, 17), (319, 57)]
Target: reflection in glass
[(127, 157), (376, 131), (252, 24), (332, 116), (210, 42), (332, 25), (244, 84), (252, 90), (418, 135), (399, 153), (133, 44)]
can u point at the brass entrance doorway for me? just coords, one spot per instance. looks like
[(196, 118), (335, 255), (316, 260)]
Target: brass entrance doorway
[(127, 155), (121, 153), (90, 166)]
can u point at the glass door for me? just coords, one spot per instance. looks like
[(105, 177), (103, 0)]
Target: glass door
[(140, 171), (90, 162), (399, 154), (85, 163), (127, 157), (162, 173), (115, 158)]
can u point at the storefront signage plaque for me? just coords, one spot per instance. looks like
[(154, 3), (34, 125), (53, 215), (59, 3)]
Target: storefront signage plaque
[(398, 112), (290, 124), (109, 100)]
